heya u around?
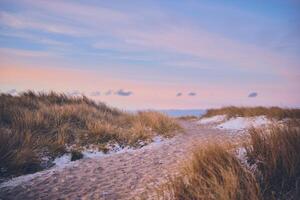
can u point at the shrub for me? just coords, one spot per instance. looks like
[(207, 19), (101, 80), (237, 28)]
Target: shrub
[(76, 155)]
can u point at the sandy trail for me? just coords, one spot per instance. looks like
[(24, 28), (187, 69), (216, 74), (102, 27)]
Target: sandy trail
[(119, 176)]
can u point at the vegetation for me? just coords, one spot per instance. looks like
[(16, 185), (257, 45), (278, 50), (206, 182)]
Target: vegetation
[(33, 126), (271, 112), (275, 153), (76, 155), (271, 169), (212, 173), (188, 117), (37, 125)]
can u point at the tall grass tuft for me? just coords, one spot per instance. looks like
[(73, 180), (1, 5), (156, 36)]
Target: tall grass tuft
[(212, 173), (276, 153)]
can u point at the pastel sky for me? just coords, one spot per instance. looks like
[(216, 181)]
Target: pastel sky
[(154, 54)]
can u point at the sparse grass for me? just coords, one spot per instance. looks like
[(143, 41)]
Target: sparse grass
[(213, 173), (158, 122), (276, 154), (35, 125), (271, 112), (188, 117)]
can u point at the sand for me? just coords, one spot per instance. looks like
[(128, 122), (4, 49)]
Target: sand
[(126, 175)]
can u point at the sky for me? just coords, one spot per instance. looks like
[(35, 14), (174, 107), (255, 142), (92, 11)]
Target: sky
[(154, 54)]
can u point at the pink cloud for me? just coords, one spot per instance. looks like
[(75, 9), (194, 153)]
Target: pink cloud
[(23, 53), (21, 22), (80, 10), (206, 45), (130, 34)]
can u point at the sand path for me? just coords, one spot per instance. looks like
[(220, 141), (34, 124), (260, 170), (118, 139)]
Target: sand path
[(119, 176)]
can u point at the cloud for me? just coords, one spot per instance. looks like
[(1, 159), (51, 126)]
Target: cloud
[(109, 92), (12, 91), (192, 94), (252, 95), (95, 93), (81, 12), (24, 53), (27, 22), (121, 92), (178, 94), (174, 38)]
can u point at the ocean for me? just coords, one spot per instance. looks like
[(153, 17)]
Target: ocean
[(183, 112)]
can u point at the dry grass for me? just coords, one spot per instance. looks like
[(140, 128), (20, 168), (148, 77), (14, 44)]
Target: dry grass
[(212, 173), (276, 154), (271, 112), (188, 117), (36, 125)]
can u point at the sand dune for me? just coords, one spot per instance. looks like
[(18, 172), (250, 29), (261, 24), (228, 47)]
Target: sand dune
[(119, 176)]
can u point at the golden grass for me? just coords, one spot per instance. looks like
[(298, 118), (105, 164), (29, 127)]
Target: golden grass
[(34, 125), (276, 154), (212, 173), (271, 112), (188, 117)]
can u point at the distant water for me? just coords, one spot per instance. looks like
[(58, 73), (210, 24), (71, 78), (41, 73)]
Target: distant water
[(183, 112)]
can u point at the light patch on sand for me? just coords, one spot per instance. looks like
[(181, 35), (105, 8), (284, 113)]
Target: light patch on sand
[(92, 154), (242, 123), (65, 161), (25, 178), (235, 123), (241, 155)]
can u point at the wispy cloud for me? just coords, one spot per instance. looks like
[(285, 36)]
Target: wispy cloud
[(83, 12), (34, 38), (23, 22), (122, 42), (24, 53), (175, 37)]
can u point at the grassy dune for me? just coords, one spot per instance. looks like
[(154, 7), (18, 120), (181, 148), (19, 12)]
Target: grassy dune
[(271, 112), (215, 172), (33, 126)]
